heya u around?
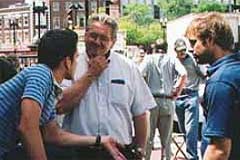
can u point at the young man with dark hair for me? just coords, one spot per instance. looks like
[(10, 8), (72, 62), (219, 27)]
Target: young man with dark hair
[(213, 45), (27, 108)]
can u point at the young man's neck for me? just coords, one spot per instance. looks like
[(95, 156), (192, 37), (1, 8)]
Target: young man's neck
[(219, 52), (58, 75)]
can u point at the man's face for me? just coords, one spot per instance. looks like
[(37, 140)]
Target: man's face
[(181, 55), (202, 52), (71, 66), (98, 39)]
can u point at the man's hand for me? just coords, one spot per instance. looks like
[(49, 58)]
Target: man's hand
[(112, 146), (97, 65), (175, 93)]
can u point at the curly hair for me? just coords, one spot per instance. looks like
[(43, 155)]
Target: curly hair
[(212, 26)]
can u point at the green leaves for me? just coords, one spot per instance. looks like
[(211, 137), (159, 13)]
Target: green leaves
[(140, 26), (206, 6)]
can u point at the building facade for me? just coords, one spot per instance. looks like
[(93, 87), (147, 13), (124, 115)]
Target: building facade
[(15, 26), (59, 11), (19, 26), (6, 3)]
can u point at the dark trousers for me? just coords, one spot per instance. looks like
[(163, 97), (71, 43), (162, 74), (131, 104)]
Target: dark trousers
[(62, 153), (69, 153), (77, 153)]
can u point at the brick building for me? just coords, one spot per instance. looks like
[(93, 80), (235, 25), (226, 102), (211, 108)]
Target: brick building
[(59, 11), (18, 26), (6, 3)]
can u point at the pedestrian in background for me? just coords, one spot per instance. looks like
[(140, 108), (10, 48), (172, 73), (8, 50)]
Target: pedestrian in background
[(187, 104), (160, 71)]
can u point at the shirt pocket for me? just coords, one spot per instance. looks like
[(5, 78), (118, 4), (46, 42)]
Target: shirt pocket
[(119, 94)]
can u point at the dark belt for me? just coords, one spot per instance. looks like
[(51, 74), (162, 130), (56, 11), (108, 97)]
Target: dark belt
[(162, 96), (188, 91)]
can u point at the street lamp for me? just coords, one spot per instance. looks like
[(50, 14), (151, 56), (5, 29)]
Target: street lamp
[(13, 23), (38, 10), (163, 23)]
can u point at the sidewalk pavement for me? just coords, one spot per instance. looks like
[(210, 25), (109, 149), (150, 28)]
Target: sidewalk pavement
[(156, 153)]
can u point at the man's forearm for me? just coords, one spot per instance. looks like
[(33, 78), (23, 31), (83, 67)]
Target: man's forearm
[(218, 149), (141, 125), (53, 134), (73, 94), (180, 84)]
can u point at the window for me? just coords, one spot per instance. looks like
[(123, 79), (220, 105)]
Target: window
[(67, 5), (25, 20), (6, 22), (82, 22), (20, 22), (7, 38), (1, 22), (56, 22), (26, 37), (1, 38), (56, 6)]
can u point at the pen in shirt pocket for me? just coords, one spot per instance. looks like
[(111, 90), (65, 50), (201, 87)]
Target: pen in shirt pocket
[(118, 81)]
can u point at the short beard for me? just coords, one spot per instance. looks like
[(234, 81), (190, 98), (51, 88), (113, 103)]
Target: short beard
[(206, 57)]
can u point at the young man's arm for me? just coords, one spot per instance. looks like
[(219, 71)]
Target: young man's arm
[(29, 129), (218, 149), (73, 94), (181, 82), (182, 78), (53, 134)]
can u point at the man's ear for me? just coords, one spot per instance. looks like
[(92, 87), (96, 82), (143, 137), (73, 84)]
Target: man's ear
[(113, 42), (67, 62), (209, 42)]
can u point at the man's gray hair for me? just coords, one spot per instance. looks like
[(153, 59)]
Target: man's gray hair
[(107, 20)]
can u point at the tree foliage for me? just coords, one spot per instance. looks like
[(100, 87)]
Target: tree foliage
[(176, 8), (139, 13), (140, 26), (206, 6)]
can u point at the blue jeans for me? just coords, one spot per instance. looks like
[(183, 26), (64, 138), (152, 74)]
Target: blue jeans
[(187, 110), (205, 140)]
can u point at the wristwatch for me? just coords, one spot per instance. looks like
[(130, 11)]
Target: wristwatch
[(98, 141)]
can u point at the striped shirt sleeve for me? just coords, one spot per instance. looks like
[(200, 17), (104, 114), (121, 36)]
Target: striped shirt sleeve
[(37, 84)]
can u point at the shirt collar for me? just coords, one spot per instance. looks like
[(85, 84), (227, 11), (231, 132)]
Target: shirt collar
[(221, 62)]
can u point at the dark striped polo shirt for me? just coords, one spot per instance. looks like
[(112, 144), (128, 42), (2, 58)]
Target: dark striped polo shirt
[(36, 83)]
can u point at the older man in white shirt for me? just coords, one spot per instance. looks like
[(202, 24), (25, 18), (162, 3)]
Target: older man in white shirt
[(113, 96)]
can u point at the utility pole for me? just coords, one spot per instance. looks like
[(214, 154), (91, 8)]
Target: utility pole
[(86, 12)]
